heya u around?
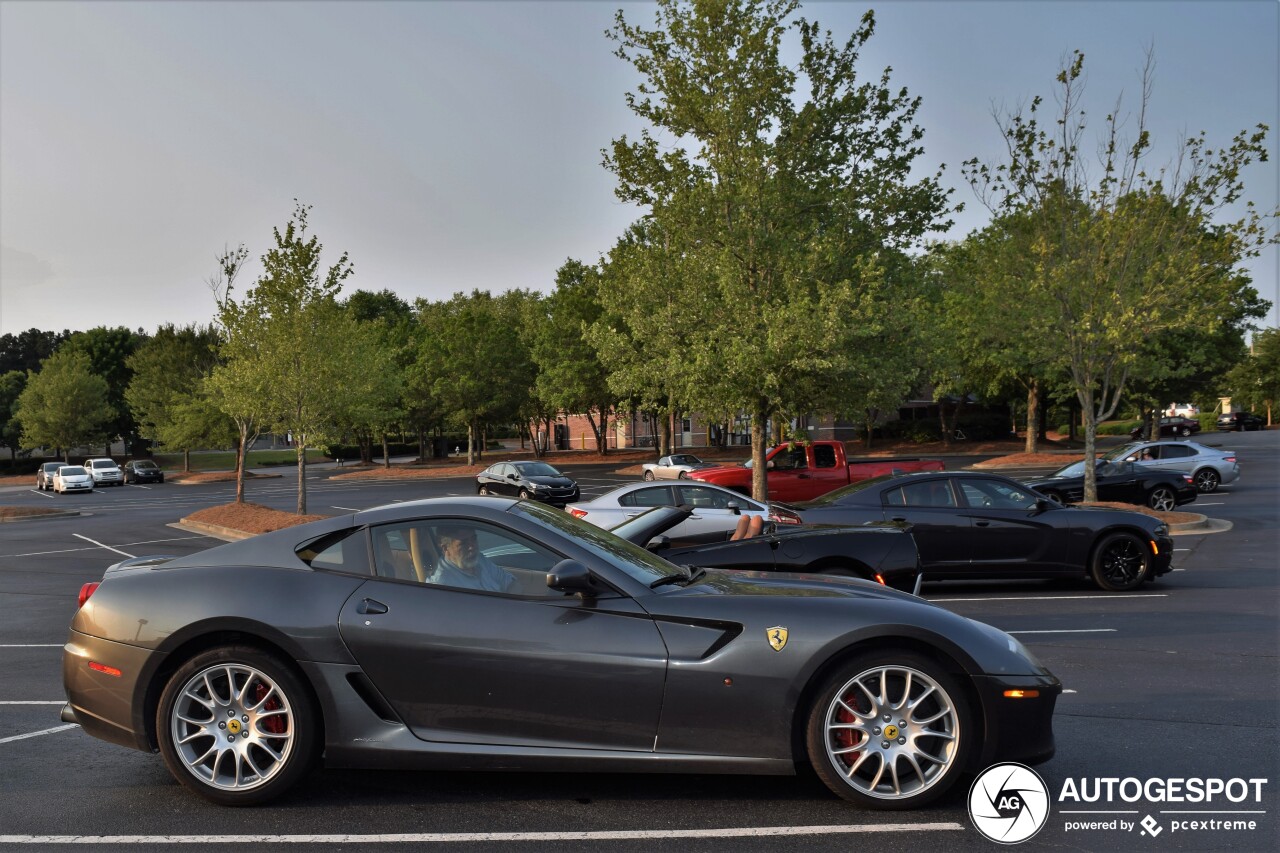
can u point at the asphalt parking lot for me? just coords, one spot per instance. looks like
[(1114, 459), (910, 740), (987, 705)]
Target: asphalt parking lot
[(1178, 680)]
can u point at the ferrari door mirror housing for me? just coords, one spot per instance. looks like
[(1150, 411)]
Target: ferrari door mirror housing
[(1044, 504), (571, 576)]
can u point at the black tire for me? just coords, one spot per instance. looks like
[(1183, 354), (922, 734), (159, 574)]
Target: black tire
[(524, 495), (648, 475), (1120, 563), (1206, 480), (1162, 499), (274, 707), (483, 490), (1053, 496), (854, 774), (1186, 431), (684, 475)]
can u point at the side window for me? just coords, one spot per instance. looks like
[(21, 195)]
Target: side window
[(701, 496), (894, 497), (660, 496), (462, 554), (934, 493), (789, 460), (343, 551), (824, 456), (995, 495), (1172, 452)]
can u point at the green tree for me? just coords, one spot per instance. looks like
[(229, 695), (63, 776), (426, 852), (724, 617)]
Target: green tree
[(234, 386), (108, 350), (167, 394), (12, 384), (780, 196), (287, 341), (27, 350), (65, 405), (1255, 381), (570, 374), (1120, 253)]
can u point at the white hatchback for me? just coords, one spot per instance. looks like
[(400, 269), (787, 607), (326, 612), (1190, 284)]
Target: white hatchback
[(105, 472), (72, 478)]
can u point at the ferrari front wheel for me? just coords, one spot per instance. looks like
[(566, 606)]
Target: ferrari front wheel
[(891, 729), (237, 726)]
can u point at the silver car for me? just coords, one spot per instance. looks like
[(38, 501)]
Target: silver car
[(674, 467), (716, 510), (44, 477), (1208, 466)]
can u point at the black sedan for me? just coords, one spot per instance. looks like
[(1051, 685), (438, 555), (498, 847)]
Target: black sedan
[(143, 471), (971, 525), (1121, 481), (883, 553), (486, 633), (1242, 421), (1172, 425), (536, 481)]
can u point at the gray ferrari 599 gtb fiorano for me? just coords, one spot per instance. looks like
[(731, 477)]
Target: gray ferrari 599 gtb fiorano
[(472, 633)]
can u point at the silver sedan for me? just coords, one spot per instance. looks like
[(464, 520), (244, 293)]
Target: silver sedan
[(674, 467), (716, 510), (1209, 467)]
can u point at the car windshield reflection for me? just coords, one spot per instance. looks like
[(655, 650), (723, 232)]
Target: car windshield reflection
[(640, 564)]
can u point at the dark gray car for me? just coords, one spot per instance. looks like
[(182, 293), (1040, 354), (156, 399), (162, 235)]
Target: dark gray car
[(486, 633)]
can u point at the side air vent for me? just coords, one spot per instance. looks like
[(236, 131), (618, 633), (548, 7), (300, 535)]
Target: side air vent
[(367, 692)]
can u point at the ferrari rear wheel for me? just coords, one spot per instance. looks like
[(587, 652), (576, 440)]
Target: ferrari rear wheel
[(891, 729), (1120, 562), (237, 726)]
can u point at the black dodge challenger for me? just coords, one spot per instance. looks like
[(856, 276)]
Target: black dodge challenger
[(474, 633)]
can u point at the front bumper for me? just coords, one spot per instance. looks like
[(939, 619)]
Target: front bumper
[(1016, 729)]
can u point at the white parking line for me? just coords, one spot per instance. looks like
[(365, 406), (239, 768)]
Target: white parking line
[(1052, 598), (100, 545), (345, 508), (38, 734), (1069, 631), (139, 486), (42, 702), (1198, 503), (41, 493), (31, 646), (473, 837)]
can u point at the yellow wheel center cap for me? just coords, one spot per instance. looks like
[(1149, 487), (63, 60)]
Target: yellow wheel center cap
[(890, 732), (234, 727)]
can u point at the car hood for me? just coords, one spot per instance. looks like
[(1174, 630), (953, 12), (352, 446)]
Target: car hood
[(547, 481)]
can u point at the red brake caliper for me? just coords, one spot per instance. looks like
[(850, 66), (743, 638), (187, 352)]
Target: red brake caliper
[(846, 738), (272, 725)]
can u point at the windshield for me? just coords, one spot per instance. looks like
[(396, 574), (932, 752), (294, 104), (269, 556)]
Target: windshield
[(102, 463), (144, 466), (1105, 469), (1120, 452), (71, 471), (632, 559), (537, 469), (845, 491)]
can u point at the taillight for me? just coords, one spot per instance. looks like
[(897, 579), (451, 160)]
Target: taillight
[(780, 518), (1229, 459), (86, 591), (577, 513)]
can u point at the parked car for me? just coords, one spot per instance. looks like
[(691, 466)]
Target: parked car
[(44, 475), (1121, 481), (72, 478), (675, 467), (1242, 421), (105, 472), (884, 553), (535, 481), (1186, 410), (1208, 466), (972, 525), (143, 471), (798, 472), (715, 510), (599, 656), (1171, 426)]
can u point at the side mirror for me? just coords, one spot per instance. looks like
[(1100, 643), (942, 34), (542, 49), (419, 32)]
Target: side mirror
[(769, 465), (657, 543), (1044, 504), (571, 576), (734, 507), (513, 477)]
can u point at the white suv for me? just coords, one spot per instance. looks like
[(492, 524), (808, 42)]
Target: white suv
[(105, 472)]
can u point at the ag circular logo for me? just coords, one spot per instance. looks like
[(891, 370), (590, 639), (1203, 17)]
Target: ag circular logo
[(1009, 803)]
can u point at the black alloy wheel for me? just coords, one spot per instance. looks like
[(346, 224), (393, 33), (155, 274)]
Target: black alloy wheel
[(1206, 480), (1120, 562)]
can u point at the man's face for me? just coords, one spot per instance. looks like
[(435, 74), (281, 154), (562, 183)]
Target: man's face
[(459, 548)]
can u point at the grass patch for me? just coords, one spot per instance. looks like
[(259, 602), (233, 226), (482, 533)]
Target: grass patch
[(225, 460)]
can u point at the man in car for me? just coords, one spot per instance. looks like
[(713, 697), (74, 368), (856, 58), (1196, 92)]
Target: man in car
[(462, 565)]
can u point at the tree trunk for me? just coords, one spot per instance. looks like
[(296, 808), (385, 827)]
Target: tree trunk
[(1090, 446), (471, 442), (664, 436), (759, 480), (241, 453), (1033, 416), (386, 452), (186, 461), (300, 441)]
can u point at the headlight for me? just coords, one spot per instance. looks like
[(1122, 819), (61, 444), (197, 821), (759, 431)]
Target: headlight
[(1161, 530), (537, 487), (1008, 640)]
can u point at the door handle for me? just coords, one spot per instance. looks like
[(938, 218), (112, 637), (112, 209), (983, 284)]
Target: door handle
[(370, 606), (982, 523), (630, 514), (898, 518), (804, 476)]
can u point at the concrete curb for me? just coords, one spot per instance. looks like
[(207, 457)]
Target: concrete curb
[(1201, 525), (213, 531), (43, 517)]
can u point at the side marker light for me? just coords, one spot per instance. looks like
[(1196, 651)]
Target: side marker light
[(104, 669), (1021, 694)]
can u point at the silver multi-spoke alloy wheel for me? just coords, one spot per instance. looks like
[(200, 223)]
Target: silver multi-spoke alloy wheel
[(890, 735), (232, 727), (1162, 499)]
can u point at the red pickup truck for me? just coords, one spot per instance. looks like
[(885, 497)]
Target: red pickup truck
[(800, 473)]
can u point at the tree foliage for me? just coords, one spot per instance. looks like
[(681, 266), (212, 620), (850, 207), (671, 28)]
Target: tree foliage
[(1255, 381), (781, 197), (108, 350), (1121, 254), (12, 385), (66, 404), (26, 351)]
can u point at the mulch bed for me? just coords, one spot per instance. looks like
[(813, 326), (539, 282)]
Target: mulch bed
[(1166, 517), (250, 517), (26, 511)]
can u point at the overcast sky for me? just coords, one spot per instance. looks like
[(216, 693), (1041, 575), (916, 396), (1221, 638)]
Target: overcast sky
[(456, 145)]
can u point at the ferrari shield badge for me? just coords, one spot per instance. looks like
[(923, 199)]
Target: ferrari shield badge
[(777, 637)]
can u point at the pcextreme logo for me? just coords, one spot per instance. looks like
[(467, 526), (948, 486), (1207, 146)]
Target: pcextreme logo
[(1009, 803)]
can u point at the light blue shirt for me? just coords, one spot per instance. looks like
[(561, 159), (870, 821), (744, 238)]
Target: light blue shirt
[(486, 576)]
